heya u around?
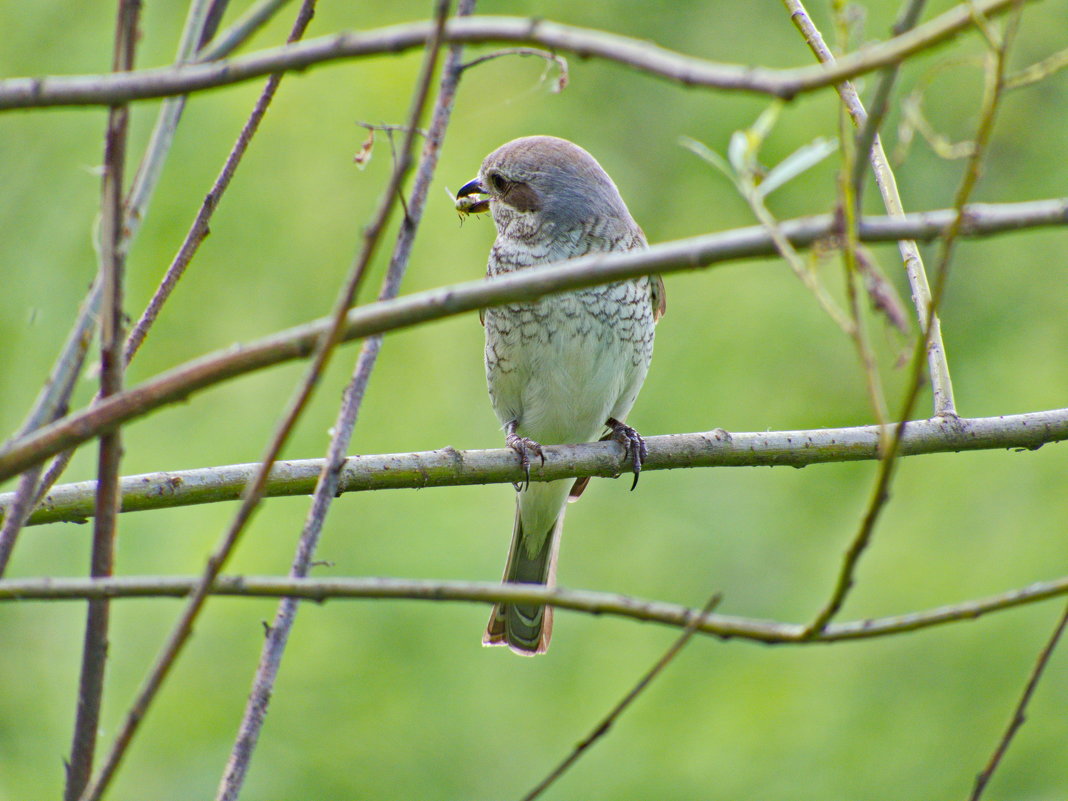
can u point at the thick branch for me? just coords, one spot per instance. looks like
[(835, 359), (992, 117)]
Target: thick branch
[(598, 603), (449, 467), (81, 90), (374, 318)]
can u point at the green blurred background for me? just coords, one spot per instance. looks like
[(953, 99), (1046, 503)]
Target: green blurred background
[(397, 700)]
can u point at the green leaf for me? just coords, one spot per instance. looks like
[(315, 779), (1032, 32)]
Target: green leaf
[(802, 159)]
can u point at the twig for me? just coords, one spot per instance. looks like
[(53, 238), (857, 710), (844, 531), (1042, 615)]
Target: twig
[(549, 57), (869, 128), (50, 405), (95, 643), (170, 113), (595, 603), (1018, 714), (602, 728), (199, 229), (635, 53), (233, 37), (1031, 75), (325, 346), (880, 492), (937, 365), (326, 488), (448, 467), (391, 127), (850, 263), (374, 318)]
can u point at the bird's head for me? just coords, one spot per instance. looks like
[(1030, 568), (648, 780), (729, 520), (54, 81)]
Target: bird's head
[(542, 180)]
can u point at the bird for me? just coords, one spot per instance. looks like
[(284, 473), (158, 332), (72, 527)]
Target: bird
[(565, 367)]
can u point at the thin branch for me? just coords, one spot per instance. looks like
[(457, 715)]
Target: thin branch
[(95, 643), (602, 728), (170, 113), (374, 318), (258, 15), (50, 405), (595, 603), (199, 229), (325, 346), (1019, 713), (448, 467), (83, 90), (850, 264), (869, 128), (326, 488), (548, 56), (937, 365), (1035, 73)]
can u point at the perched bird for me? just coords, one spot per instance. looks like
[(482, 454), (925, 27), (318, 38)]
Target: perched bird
[(563, 368)]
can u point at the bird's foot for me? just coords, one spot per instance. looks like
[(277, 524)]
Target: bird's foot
[(632, 441), (525, 447)]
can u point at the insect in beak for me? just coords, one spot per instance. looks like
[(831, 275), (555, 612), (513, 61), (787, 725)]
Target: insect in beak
[(467, 200)]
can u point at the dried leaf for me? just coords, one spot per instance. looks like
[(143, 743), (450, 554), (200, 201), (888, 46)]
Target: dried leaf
[(363, 155)]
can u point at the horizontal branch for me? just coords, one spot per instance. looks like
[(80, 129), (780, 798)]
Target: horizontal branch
[(81, 90), (450, 467), (525, 285), (598, 603)]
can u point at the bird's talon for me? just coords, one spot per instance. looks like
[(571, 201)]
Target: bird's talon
[(635, 446), (524, 446)]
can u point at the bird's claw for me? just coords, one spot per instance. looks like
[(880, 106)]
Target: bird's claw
[(524, 446), (635, 446)]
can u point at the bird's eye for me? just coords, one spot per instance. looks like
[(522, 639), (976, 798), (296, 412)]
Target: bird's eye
[(496, 181)]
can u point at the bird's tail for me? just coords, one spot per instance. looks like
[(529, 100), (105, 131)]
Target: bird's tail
[(526, 628)]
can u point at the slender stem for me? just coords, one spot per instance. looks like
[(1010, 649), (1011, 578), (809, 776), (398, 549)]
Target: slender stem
[(199, 228), (170, 113), (869, 128), (95, 644), (252, 20), (609, 720), (50, 405), (1019, 712)]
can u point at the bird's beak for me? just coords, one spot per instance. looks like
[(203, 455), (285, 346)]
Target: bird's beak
[(466, 204)]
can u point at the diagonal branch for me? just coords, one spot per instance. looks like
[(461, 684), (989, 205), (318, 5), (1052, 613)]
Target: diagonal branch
[(1018, 714), (870, 148), (449, 467), (326, 488), (609, 720), (641, 55), (374, 318)]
